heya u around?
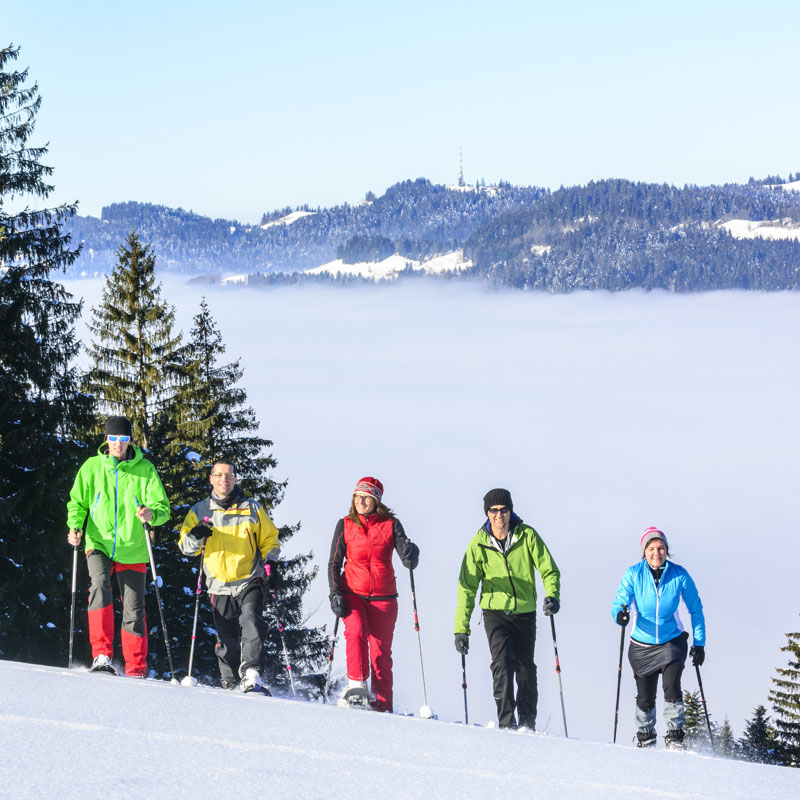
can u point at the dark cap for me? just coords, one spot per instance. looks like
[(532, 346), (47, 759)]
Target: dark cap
[(497, 497), (119, 426)]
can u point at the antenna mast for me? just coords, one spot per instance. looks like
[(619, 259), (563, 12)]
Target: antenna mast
[(460, 168)]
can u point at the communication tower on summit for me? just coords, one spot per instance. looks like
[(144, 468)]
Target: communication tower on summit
[(460, 168)]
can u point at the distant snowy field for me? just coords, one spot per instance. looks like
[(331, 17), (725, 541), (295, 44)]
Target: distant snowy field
[(603, 414), (73, 736)]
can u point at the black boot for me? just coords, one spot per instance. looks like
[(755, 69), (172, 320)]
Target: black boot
[(645, 738), (674, 739)]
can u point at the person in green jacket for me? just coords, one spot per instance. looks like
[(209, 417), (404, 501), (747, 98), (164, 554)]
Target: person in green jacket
[(501, 561), (114, 494)]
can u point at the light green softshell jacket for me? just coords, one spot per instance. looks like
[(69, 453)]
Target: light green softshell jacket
[(506, 580)]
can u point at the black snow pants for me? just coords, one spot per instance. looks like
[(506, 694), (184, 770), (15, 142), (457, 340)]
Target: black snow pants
[(512, 638), (241, 630)]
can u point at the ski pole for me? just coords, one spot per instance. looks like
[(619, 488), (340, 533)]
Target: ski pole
[(705, 707), (619, 677), (558, 672), (72, 606), (464, 686), (268, 570), (147, 533), (330, 661), (419, 640), (198, 591)]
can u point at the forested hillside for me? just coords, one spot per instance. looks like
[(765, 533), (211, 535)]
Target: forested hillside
[(611, 234), (427, 218)]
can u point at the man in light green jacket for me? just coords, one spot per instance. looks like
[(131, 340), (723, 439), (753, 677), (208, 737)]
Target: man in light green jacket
[(114, 494), (501, 561)]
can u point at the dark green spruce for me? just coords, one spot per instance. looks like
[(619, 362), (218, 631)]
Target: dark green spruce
[(42, 413)]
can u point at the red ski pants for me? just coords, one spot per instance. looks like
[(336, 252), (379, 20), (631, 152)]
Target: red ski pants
[(368, 631), (132, 581)]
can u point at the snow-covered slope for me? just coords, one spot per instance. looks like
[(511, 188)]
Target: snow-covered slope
[(391, 266), (75, 736)]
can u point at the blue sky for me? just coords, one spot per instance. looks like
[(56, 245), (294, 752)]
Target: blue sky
[(243, 107)]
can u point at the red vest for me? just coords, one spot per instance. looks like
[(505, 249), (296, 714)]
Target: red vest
[(368, 567)]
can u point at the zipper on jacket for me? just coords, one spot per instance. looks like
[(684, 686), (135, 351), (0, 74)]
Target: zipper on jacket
[(94, 507), (116, 509)]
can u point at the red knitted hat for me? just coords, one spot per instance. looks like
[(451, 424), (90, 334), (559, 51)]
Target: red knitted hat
[(370, 487)]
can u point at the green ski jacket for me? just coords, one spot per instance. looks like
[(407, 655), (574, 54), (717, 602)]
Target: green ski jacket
[(506, 579), (107, 490)]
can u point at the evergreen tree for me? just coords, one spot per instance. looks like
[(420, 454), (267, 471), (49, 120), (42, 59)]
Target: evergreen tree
[(759, 742), (138, 364), (137, 359), (211, 420), (42, 413), (785, 699), (726, 743)]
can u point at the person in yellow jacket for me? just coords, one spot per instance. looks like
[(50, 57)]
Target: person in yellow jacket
[(237, 540)]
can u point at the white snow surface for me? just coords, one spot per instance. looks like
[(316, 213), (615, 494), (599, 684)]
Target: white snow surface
[(391, 266), (766, 229), (76, 735), (286, 220)]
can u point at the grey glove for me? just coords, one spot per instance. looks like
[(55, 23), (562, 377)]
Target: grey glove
[(550, 606), (462, 643)]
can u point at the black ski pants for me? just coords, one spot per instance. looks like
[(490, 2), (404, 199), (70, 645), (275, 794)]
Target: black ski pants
[(241, 630), (512, 638), (646, 688)]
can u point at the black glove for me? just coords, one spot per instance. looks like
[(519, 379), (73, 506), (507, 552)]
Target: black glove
[(411, 556), (271, 574), (623, 616), (202, 531), (698, 654), (550, 606), (337, 604), (462, 643)]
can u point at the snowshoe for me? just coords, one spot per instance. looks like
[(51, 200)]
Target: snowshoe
[(102, 663), (356, 695), (645, 738), (674, 740), (251, 682)]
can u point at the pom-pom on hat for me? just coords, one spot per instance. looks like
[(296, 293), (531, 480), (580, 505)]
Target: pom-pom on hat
[(650, 534), (369, 487), (119, 426), (497, 497)]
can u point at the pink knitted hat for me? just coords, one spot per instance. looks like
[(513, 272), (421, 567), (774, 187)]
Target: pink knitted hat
[(650, 534)]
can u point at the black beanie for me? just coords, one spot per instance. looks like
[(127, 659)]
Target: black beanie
[(119, 426), (497, 497)]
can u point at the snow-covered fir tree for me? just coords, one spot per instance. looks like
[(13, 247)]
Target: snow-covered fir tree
[(785, 699), (759, 742), (42, 412)]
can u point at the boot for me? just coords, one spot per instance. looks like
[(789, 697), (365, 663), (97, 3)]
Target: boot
[(355, 695), (102, 663), (674, 739), (646, 738)]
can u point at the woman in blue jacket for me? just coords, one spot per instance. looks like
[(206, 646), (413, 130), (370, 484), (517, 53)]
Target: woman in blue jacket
[(658, 642)]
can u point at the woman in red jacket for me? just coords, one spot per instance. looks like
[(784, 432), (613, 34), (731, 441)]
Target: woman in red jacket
[(364, 592)]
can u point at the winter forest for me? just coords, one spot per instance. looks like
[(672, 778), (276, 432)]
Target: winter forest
[(205, 370)]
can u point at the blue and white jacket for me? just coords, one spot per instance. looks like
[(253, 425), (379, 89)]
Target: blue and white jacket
[(657, 618)]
